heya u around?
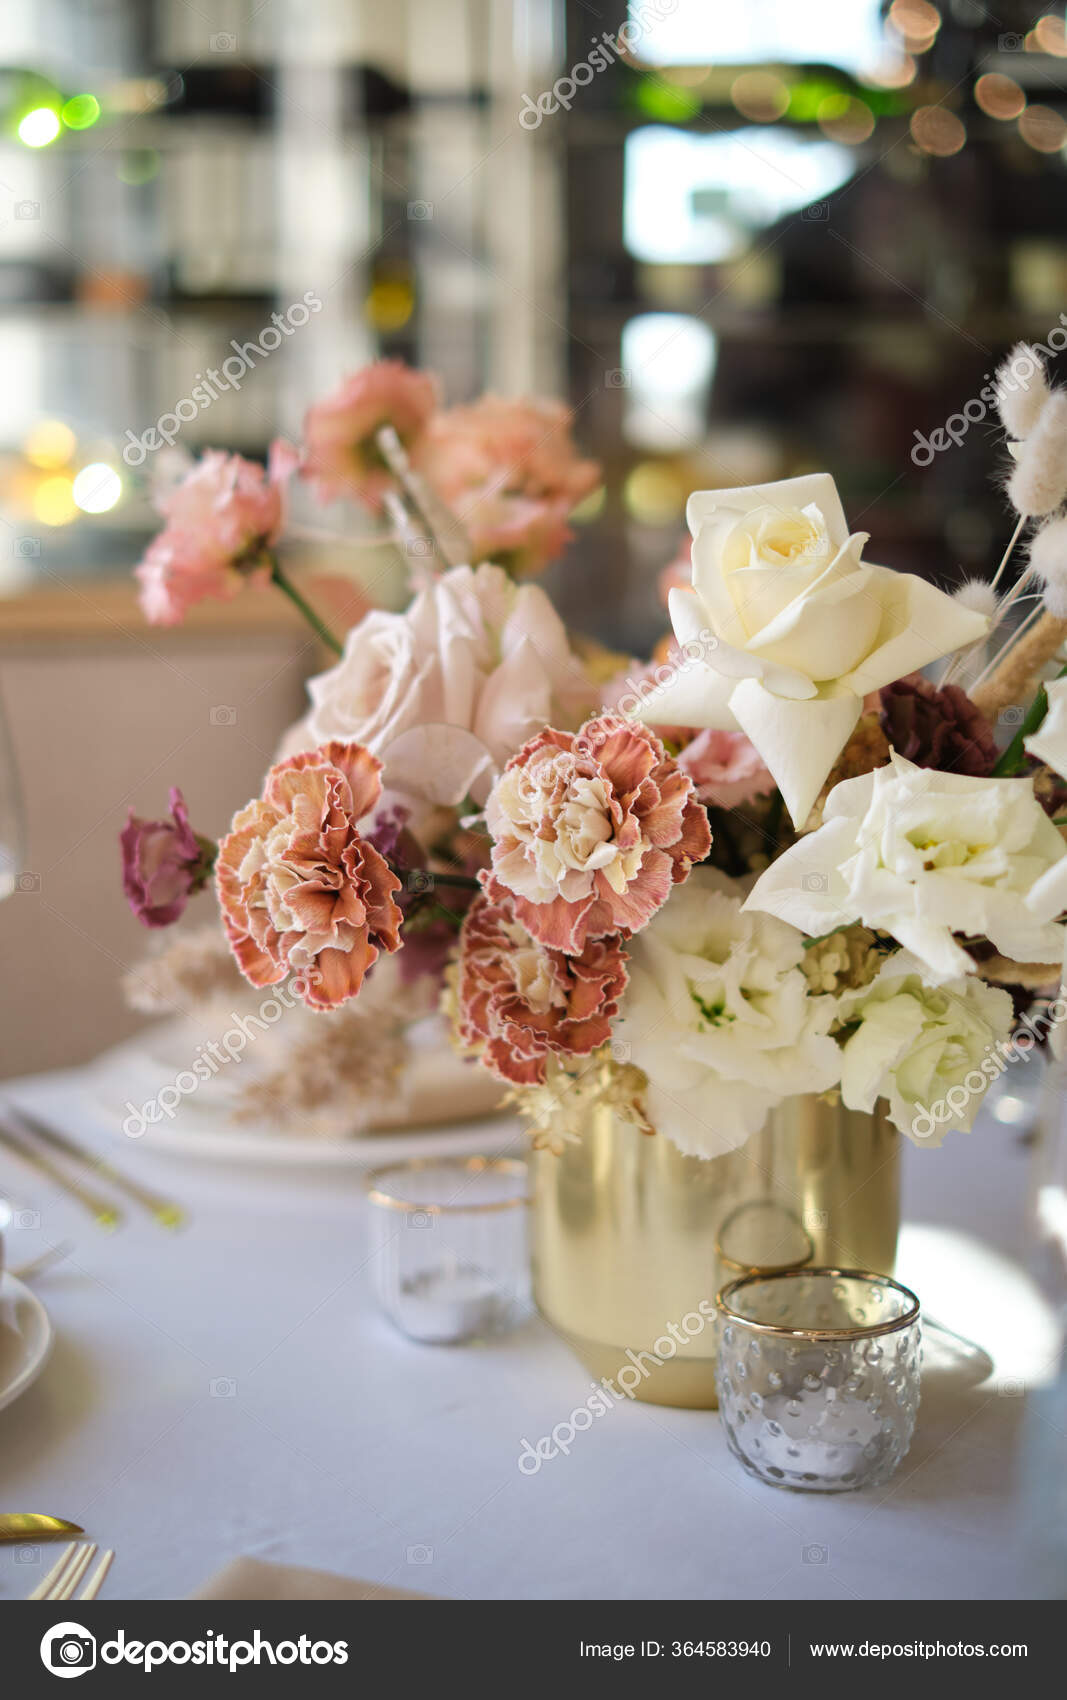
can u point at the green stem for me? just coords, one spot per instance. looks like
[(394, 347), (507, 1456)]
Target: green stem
[(288, 588), (1011, 759)]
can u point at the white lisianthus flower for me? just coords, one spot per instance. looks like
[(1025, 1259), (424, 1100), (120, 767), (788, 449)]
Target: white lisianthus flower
[(922, 855), (786, 629), (718, 1016), (930, 1051)]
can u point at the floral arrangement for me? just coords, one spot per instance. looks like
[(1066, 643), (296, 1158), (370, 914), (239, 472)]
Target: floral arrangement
[(816, 845)]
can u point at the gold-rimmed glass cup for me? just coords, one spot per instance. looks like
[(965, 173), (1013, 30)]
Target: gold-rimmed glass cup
[(449, 1246), (818, 1376)]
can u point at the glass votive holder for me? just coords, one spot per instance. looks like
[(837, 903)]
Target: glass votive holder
[(449, 1246), (818, 1376)]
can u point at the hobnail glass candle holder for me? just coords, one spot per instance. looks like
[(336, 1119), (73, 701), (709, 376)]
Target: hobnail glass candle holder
[(818, 1376), (449, 1243)]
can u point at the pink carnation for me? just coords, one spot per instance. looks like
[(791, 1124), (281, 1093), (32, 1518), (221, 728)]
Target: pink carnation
[(591, 830), (163, 863), (511, 473), (223, 519), (726, 769), (341, 457), (300, 889), (520, 1002)]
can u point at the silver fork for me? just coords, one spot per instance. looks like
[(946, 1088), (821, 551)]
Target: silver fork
[(68, 1570)]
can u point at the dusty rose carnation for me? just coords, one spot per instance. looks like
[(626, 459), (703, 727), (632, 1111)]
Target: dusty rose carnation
[(726, 769), (341, 457), (511, 473), (520, 1003), (163, 863), (591, 829), (223, 519), (937, 728), (300, 890)]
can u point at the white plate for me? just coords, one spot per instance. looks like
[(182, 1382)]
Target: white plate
[(25, 1338), (201, 1126)]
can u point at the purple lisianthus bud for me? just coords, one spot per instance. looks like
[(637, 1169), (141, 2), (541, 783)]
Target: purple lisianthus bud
[(163, 863)]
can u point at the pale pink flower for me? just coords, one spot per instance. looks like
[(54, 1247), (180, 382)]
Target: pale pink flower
[(301, 890), (511, 473), (520, 1003), (726, 769), (341, 457), (223, 520), (474, 652), (591, 830)]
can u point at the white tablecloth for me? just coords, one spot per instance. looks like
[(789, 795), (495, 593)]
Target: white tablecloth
[(232, 1389)]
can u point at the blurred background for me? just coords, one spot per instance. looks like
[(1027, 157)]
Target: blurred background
[(743, 240)]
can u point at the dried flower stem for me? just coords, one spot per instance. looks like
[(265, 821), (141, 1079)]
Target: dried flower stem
[(1005, 558), (1016, 674), (447, 536)]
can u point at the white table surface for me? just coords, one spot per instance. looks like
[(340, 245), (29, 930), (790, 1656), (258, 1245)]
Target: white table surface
[(346, 1447)]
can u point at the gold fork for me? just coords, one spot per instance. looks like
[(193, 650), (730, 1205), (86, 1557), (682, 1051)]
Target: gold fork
[(67, 1572)]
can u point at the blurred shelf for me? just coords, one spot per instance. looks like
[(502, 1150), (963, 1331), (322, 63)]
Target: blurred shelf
[(107, 607)]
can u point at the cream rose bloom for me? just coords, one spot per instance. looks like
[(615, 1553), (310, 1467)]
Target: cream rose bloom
[(474, 653), (930, 1051), (718, 1016), (786, 628), (922, 855)]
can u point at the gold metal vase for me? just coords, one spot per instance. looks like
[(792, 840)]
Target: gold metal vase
[(631, 1240)]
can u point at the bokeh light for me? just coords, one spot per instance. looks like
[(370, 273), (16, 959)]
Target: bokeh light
[(39, 127), (49, 444), (894, 73), (846, 119), (916, 22), (81, 111), (1051, 36), (999, 97), (53, 501), (937, 131), (1042, 129), (760, 95), (96, 488), (655, 493)]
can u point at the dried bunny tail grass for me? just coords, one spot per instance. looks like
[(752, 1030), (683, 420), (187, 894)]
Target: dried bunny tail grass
[(1022, 390), (978, 595), (194, 968), (1048, 552), (332, 1078), (1038, 482), (1017, 676)]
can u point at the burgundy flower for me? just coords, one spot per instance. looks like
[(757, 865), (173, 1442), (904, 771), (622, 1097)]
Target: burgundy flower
[(163, 863), (300, 889), (937, 728), (520, 1002), (591, 830)]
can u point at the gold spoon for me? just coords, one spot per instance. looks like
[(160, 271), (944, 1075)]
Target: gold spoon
[(32, 1525)]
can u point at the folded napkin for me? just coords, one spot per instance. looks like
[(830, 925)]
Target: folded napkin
[(251, 1579)]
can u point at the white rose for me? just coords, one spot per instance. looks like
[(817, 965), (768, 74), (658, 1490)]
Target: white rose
[(931, 1052), (922, 855), (474, 652), (786, 628), (718, 1016), (1049, 742)]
